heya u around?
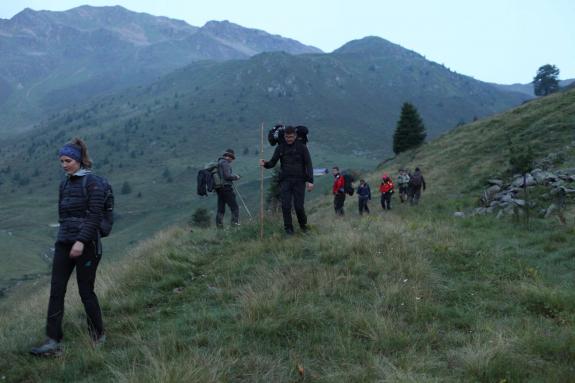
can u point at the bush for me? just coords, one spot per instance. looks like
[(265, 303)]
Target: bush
[(126, 188), (201, 218)]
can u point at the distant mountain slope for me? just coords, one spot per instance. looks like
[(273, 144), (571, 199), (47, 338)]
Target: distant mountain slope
[(528, 88), (51, 59)]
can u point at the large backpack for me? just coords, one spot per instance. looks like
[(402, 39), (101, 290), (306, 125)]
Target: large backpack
[(209, 179), (108, 217), (415, 180), (276, 134), (348, 184)]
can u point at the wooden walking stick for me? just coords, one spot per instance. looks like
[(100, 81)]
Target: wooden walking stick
[(262, 183)]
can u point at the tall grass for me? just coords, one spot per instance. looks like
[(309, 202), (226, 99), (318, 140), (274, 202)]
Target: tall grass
[(394, 297)]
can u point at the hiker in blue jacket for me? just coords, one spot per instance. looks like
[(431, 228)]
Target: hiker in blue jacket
[(77, 246), (363, 195)]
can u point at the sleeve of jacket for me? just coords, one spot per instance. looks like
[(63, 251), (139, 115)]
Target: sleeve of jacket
[(308, 165), (423, 182), (91, 225), (227, 171), (368, 191), (273, 161)]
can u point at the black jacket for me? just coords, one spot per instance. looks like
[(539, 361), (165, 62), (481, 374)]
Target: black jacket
[(295, 162), (80, 211)]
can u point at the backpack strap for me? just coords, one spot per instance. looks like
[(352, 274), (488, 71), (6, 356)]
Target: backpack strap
[(85, 186)]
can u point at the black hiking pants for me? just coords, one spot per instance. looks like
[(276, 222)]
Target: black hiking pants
[(414, 195), (363, 205), (338, 202), (62, 267), (386, 201), (226, 196), (293, 190), (403, 193)]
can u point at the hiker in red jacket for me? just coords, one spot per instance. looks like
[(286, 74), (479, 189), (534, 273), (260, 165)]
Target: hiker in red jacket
[(386, 189), (338, 191)]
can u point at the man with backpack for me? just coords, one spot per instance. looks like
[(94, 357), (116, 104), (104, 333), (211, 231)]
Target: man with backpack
[(387, 189), (296, 174), (225, 190), (416, 182), (403, 183), (338, 191)]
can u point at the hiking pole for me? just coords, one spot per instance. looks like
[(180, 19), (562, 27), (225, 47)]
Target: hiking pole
[(243, 202), (262, 183)]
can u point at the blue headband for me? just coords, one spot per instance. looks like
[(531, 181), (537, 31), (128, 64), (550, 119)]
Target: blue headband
[(72, 151)]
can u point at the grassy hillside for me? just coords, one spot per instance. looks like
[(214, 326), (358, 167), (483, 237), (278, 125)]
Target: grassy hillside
[(461, 161), (409, 296), (412, 295)]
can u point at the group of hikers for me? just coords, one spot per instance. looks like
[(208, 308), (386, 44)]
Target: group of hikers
[(296, 176), (410, 187), (85, 213)]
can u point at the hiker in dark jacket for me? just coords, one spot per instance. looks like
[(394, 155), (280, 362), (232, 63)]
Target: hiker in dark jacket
[(338, 191), (416, 182), (77, 246), (296, 174), (363, 195), (226, 195)]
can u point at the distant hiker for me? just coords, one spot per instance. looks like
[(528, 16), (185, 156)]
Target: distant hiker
[(296, 173), (225, 191), (416, 182), (403, 183), (363, 195), (338, 191), (386, 189), (81, 205)]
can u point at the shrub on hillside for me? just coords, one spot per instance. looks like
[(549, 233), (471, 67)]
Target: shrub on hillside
[(201, 218)]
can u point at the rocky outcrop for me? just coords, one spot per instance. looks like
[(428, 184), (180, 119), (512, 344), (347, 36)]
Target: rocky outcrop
[(502, 198)]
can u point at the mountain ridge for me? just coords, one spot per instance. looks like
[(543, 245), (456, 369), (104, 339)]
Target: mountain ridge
[(114, 48)]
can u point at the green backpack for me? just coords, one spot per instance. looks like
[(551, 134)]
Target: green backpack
[(214, 169)]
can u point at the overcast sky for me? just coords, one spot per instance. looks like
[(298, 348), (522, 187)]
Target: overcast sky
[(502, 41)]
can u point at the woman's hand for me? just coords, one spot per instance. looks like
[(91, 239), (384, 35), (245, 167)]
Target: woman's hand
[(77, 249)]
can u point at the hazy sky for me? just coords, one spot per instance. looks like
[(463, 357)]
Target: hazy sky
[(502, 41)]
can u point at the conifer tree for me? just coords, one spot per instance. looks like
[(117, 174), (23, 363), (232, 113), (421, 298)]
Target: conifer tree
[(546, 81), (410, 131)]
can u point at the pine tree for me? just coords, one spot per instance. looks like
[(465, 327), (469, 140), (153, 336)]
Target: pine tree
[(546, 81), (410, 131)]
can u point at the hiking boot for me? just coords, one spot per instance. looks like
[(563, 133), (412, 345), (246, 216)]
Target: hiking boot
[(304, 229), (289, 231), (50, 347)]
